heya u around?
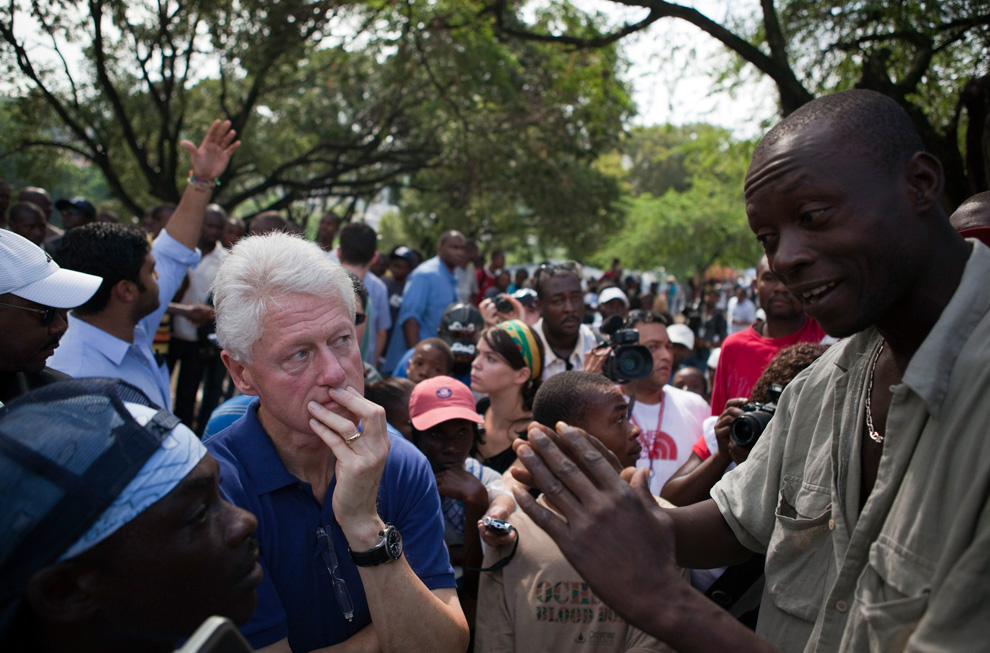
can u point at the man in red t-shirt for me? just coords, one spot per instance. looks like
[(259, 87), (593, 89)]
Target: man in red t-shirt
[(486, 276), (746, 354)]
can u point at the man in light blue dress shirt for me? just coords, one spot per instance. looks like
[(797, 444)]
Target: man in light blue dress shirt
[(111, 334), (430, 289)]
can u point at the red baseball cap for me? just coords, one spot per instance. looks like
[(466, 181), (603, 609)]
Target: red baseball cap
[(440, 399)]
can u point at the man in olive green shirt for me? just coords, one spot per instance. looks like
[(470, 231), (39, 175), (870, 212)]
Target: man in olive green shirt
[(869, 491)]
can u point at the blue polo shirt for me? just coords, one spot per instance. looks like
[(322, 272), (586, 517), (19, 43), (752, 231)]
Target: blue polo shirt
[(296, 598)]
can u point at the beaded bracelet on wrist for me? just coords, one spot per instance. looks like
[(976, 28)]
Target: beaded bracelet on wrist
[(201, 184)]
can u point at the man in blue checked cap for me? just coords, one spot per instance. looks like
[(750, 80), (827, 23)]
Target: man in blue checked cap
[(113, 534)]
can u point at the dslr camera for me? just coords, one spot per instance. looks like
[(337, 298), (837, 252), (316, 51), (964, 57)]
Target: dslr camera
[(746, 429), (628, 360)]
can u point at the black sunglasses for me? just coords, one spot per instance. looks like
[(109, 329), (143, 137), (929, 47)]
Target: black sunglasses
[(47, 313)]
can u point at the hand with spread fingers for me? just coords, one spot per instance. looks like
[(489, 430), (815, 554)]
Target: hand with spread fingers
[(210, 159), (585, 488), (633, 569), (360, 459)]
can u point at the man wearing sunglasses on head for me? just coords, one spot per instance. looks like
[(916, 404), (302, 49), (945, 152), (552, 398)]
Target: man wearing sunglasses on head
[(566, 340), (35, 294)]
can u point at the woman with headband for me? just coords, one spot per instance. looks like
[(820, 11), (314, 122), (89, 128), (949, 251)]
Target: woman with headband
[(507, 367)]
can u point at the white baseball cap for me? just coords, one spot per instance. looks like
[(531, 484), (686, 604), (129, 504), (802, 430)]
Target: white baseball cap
[(29, 272), (681, 334), (611, 293), (713, 358)]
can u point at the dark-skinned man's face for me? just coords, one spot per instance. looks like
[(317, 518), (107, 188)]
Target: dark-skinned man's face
[(562, 304), (453, 252)]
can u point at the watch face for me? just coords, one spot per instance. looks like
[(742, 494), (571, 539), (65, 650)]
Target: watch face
[(393, 542)]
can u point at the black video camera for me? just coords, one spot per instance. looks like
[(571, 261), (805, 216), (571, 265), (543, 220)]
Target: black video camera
[(628, 360), (746, 429)]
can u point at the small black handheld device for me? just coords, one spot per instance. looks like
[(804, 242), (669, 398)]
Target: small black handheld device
[(497, 525)]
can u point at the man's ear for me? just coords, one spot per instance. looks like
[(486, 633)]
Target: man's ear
[(239, 374), (125, 291), (63, 594), (926, 180)]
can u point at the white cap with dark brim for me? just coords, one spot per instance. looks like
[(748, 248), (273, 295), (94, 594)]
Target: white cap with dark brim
[(29, 272), (611, 293), (681, 334)]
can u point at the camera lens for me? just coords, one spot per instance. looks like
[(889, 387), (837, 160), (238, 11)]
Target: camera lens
[(632, 364), (747, 428)]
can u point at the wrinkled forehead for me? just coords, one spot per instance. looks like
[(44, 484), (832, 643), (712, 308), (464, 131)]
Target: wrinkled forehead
[(780, 154), (560, 282), (302, 315), (609, 395)]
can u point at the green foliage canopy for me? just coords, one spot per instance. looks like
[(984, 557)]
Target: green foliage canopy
[(335, 102), (928, 56), (685, 210)]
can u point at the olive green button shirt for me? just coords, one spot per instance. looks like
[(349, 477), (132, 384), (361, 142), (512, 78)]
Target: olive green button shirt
[(911, 572)]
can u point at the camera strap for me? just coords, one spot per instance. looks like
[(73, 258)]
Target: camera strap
[(652, 438), (735, 582), (499, 563)]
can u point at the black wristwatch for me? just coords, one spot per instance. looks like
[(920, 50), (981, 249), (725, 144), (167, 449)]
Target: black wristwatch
[(389, 548)]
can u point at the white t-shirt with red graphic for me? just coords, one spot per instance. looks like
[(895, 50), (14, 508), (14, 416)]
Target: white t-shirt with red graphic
[(664, 451)]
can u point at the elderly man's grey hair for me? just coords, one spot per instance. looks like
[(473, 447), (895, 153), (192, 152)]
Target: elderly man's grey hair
[(258, 272)]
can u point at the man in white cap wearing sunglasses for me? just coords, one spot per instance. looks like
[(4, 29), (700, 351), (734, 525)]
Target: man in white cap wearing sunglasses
[(35, 294)]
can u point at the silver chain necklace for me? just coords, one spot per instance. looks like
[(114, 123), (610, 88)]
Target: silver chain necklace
[(876, 437)]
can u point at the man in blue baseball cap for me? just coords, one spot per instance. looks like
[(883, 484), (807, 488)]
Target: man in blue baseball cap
[(76, 212)]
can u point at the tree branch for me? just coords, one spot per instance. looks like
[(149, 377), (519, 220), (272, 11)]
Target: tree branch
[(110, 91), (793, 94)]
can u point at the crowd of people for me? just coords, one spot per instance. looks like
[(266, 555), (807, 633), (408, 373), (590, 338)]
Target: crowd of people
[(338, 448)]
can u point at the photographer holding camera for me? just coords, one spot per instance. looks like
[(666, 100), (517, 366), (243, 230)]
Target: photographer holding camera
[(730, 436), (670, 419)]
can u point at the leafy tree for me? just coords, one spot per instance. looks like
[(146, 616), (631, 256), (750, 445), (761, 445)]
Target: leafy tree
[(144, 66), (696, 218), (930, 57), (46, 167), (525, 123), (335, 102)]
